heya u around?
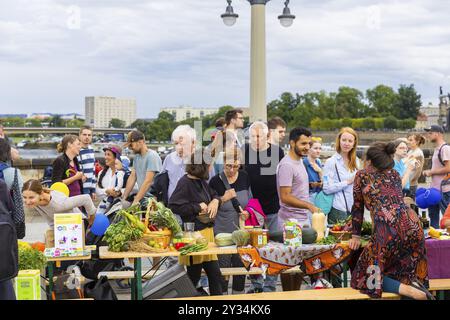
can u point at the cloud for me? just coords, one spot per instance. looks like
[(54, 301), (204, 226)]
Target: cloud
[(168, 53)]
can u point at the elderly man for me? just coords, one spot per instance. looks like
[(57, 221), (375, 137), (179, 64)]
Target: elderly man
[(261, 161)]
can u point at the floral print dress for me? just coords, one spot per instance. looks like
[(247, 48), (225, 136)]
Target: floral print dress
[(397, 246)]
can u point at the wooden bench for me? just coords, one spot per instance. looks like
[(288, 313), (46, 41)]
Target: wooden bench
[(226, 272), (322, 294), (438, 286)]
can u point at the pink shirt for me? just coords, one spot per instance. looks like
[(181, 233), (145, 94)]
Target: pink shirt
[(436, 164), (292, 173)]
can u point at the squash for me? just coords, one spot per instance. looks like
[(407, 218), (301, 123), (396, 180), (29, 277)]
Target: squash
[(240, 237), (224, 239), (309, 235)]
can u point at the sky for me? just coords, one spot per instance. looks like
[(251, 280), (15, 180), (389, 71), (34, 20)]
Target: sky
[(165, 53)]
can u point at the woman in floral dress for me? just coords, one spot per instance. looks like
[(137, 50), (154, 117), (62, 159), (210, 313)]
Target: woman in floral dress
[(394, 260)]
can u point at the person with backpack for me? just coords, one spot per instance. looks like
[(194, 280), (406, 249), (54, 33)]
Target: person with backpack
[(233, 186), (440, 168), (7, 172), (111, 180), (8, 245)]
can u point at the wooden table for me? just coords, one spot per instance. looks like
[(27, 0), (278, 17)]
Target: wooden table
[(56, 261), (136, 291), (51, 262)]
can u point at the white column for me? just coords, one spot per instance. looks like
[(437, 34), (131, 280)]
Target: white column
[(258, 104)]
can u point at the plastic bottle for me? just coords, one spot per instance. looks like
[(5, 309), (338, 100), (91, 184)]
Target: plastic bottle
[(318, 224)]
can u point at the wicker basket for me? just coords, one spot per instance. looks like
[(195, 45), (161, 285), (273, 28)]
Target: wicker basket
[(142, 246), (341, 235), (161, 237)]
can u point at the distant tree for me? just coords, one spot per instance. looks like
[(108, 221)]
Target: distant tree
[(368, 123), (390, 122), (117, 123), (57, 122), (349, 103), (382, 99), (408, 103)]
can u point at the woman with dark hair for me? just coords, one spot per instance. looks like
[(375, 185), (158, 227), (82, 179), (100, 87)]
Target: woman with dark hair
[(394, 260), (195, 201), (66, 168), (111, 179), (415, 140), (233, 185)]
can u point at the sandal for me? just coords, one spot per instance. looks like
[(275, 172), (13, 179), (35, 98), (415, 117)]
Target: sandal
[(422, 288)]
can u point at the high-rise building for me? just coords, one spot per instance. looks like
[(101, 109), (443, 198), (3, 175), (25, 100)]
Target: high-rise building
[(100, 110)]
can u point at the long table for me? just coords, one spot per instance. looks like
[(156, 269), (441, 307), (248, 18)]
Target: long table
[(136, 290)]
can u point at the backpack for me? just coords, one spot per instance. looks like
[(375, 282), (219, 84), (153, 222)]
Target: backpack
[(9, 263), (160, 187), (18, 213)]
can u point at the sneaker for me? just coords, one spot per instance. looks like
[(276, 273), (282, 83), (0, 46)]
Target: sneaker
[(255, 290)]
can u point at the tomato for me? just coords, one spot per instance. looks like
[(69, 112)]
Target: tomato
[(179, 245)]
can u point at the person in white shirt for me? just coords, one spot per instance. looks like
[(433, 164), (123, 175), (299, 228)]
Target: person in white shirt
[(111, 179)]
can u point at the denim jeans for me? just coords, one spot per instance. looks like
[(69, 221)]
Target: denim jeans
[(7, 290), (270, 283)]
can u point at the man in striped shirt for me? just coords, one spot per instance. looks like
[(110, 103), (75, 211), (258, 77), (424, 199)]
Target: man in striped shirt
[(86, 159)]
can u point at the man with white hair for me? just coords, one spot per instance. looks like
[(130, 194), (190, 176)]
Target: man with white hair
[(175, 163), (261, 161)]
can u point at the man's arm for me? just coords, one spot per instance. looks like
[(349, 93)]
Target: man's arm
[(288, 199), (130, 184), (444, 170), (145, 186)]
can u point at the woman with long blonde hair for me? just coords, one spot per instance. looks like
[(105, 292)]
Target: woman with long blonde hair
[(339, 174)]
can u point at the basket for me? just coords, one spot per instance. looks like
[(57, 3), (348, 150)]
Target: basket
[(341, 235), (161, 237), (142, 246)]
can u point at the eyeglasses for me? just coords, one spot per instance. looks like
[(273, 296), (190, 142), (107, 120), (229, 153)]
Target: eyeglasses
[(232, 166)]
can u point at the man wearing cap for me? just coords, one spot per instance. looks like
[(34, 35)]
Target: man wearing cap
[(439, 168), (86, 159), (145, 165)]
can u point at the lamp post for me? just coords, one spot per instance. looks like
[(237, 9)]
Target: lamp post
[(258, 105)]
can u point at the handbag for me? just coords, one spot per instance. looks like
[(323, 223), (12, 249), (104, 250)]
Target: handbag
[(324, 201), (18, 212), (99, 289), (204, 218)]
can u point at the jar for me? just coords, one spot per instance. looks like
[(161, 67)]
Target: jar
[(258, 237)]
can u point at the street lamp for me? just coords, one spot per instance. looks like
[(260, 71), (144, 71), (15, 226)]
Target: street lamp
[(258, 106), (229, 17)]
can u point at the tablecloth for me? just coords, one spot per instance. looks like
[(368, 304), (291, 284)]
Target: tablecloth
[(438, 254)]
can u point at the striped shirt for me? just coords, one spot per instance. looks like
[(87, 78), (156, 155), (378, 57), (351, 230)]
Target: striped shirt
[(86, 159)]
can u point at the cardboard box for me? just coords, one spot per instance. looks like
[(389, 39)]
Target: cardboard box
[(27, 285)]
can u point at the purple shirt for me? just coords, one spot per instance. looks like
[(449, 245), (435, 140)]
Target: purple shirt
[(436, 179), (74, 187), (292, 173)]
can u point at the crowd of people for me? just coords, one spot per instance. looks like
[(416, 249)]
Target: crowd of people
[(214, 187)]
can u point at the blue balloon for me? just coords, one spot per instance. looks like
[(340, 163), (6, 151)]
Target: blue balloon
[(422, 202), (420, 191), (433, 197), (101, 223)]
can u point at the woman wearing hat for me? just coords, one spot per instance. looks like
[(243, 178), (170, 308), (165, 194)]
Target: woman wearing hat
[(110, 179)]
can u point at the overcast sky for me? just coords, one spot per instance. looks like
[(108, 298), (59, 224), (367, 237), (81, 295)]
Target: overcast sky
[(178, 52)]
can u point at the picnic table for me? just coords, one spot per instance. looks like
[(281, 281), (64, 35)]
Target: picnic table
[(136, 290)]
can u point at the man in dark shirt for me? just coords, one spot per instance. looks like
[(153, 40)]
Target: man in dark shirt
[(261, 161)]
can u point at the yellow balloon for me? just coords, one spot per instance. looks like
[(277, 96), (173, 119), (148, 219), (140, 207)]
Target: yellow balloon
[(61, 187)]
